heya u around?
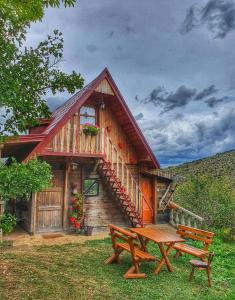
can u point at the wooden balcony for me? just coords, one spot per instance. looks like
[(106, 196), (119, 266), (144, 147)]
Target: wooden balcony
[(72, 141)]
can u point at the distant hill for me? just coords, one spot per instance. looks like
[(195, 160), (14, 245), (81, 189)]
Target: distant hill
[(219, 165)]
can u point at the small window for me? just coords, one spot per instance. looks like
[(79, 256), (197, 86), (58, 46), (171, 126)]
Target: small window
[(87, 115), (91, 187)]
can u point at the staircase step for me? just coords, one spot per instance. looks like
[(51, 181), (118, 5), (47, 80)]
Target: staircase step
[(110, 176)]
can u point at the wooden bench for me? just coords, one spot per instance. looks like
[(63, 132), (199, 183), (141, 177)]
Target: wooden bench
[(197, 235), (128, 243)]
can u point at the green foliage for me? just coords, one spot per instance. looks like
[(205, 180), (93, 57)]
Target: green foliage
[(90, 129), (22, 179), (76, 271), (7, 223), (213, 199), (218, 166), (227, 234), (26, 73)]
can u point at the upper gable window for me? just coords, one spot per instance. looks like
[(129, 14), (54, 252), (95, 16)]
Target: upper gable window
[(87, 115)]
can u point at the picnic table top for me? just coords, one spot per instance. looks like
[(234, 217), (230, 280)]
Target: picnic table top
[(157, 235)]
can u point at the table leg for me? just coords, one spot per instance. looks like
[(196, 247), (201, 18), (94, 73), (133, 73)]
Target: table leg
[(143, 243), (165, 259)]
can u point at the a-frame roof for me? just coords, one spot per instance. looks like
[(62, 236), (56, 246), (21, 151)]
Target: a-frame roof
[(65, 111)]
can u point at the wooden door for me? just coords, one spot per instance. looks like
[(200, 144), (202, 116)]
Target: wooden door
[(147, 189), (49, 216)]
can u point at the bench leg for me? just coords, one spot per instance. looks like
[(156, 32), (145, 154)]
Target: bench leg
[(114, 257), (191, 274), (178, 254), (133, 272), (208, 271)]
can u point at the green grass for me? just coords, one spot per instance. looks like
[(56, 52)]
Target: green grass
[(76, 271)]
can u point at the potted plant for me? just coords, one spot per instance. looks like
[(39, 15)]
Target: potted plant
[(91, 130)]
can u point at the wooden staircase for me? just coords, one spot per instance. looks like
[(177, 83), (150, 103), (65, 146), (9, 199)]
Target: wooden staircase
[(166, 198), (122, 183), (131, 209)]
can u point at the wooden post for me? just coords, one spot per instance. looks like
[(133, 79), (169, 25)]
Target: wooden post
[(33, 217), (127, 181), (68, 136), (74, 136), (65, 199), (1, 213)]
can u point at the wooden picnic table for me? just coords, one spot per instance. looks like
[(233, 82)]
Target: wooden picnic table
[(163, 238)]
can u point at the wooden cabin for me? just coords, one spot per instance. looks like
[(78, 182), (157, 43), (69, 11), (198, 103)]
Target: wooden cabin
[(118, 162)]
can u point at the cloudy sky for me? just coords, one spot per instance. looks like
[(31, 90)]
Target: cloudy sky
[(173, 61)]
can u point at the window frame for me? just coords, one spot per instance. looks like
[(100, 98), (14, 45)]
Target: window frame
[(98, 188), (87, 115)]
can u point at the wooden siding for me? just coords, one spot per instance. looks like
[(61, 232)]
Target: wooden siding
[(117, 136), (71, 139), (104, 88)]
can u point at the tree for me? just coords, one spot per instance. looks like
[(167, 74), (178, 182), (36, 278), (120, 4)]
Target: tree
[(26, 73), (19, 180)]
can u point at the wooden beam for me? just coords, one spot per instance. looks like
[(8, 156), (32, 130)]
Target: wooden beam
[(70, 154), (66, 196), (33, 213)]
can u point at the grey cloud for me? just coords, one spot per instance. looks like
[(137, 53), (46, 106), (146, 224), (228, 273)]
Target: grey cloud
[(139, 117), (206, 92), (193, 141), (181, 97), (54, 102), (110, 34), (91, 48), (217, 15), (169, 101), (178, 116), (218, 131), (212, 102)]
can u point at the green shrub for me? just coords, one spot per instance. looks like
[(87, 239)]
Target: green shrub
[(213, 199), (226, 234), (19, 180), (7, 223)]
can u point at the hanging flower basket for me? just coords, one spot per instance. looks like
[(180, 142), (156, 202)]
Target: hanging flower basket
[(91, 130)]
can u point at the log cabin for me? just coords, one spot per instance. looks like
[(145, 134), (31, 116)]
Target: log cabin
[(116, 169)]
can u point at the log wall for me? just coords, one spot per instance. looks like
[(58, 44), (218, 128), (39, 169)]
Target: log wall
[(103, 209)]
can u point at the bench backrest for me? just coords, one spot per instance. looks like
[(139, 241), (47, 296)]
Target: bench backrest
[(196, 234), (127, 236)]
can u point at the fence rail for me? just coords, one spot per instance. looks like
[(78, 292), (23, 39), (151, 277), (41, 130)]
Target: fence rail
[(182, 216)]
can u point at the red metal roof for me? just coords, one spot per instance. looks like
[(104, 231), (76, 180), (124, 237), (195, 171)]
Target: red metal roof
[(65, 111)]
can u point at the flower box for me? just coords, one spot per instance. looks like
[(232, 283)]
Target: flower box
[(91, 130)]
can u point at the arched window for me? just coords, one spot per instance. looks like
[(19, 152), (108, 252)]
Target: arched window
[(87, 115)]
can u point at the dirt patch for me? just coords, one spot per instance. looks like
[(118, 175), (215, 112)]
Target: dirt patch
[(26, 240), (52, 236)]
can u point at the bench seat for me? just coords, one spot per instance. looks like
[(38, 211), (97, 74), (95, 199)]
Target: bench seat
[(190, 250), (195, 234), (138, 252)]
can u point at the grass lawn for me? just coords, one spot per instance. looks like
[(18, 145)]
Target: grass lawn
[(75, 271)]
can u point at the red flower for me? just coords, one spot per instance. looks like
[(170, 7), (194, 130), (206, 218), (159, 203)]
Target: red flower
[(77, 225), (72, 220), (78, 207), (120, 145)]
